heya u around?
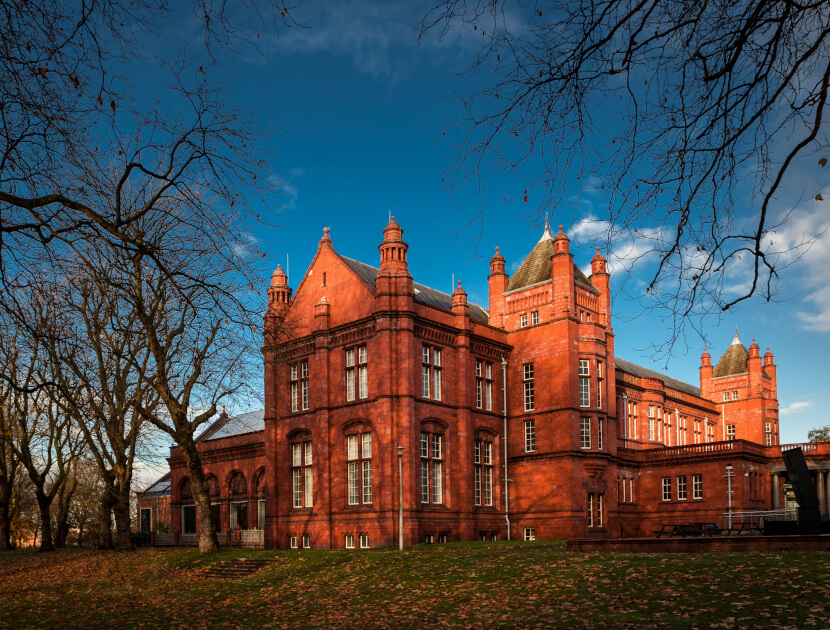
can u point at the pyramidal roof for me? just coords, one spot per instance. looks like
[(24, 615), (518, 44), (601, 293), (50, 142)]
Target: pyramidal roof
[(733, 360), (535, 269)]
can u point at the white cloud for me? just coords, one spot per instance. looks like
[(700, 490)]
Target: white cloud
[(795, 408), (804, 243), (381, 38)]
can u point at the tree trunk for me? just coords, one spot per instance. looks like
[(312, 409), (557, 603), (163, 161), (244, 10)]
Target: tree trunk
[(201, 497), (121, 509), (63, 502), (5, 516), (80, 535), (44, 503), (105, 504), (5, 528)]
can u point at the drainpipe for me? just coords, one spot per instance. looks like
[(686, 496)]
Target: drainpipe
[(504, 439)]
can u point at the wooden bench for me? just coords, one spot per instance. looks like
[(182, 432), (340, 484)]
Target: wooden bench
[(666, 529), (738, 529)]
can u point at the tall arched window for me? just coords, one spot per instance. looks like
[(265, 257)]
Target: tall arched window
[(238, 492)]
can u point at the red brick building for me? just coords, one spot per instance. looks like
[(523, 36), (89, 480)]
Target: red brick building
[(361, 360)]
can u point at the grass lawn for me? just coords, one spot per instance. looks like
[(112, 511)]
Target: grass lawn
[(461, 585)]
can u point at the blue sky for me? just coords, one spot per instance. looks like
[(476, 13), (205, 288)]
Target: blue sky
[(361, 107)]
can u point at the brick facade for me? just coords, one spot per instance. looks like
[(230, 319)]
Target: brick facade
[(360, 360)]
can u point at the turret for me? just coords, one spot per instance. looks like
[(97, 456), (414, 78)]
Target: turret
[(705, 374), (460, 308), (279, 293), (497, 281), (602, 281), (562, 275), (393, 284)]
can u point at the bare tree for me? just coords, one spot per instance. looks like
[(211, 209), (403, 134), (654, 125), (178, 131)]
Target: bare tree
[(195, 307), (44, 439), (66, 105), (696, 121), (10, 467), (103, 362)]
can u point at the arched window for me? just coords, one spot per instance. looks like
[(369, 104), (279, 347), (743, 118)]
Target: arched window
[(188, 509), (213, 486), (238, 487), (260, 493), (238, 492)]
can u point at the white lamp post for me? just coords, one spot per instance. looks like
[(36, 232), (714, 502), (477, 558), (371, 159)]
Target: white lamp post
[(729, 474)]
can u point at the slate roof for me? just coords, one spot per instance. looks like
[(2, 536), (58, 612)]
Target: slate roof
[(536, 268), (668, 381), (237, 425), (423, 294), (733, 361), (161, 486)]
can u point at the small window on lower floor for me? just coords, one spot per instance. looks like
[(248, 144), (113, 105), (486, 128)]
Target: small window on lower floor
[(530, 533), (494, 536), (364, 541), (294, 542), (306, 541), (442, 538), (482, 536), (349, 541), (428, 539)]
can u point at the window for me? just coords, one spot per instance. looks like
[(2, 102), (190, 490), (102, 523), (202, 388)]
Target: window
[(697, 431), (768, 433), (730, 431), (359, 468), (697, 487), (725, 396), (429, 539), (306, 541), (585, 433), (631, 431), (260, 514), (681, 488), (484, 385), (584, 384), (599, 384), (625, 492), (293, 542), (349, 541), (146, 519), (239, 514), (442, 538), (530, 436), (523, 320), (735, 395), (529, 533), (710, 431), (364, 541), (432, 468), (431, 372), (651, 421), (534, 317), (666, 488), (299, 386), (681, 431), (357, 374), (527, 378), (595, 510), (483, 462), (302, 475), (600, 437)]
